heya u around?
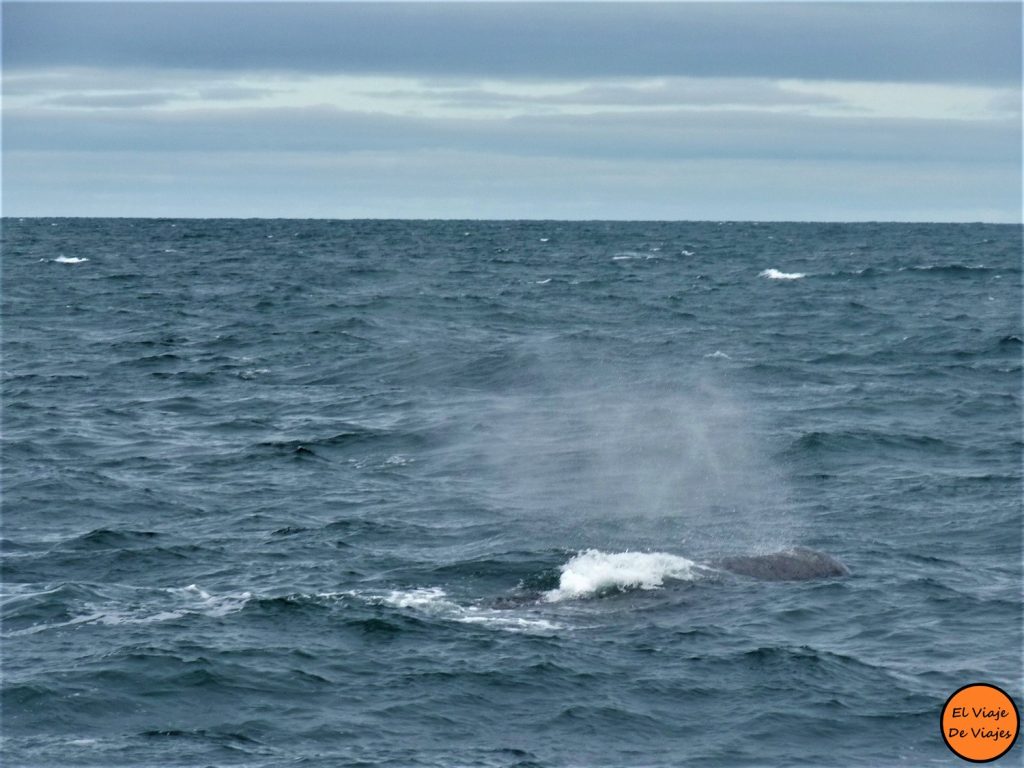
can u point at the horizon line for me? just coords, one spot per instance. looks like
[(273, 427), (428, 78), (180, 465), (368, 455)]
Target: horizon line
[(530, 220)]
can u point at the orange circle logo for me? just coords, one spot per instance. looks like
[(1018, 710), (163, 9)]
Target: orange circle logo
[(980, 723)]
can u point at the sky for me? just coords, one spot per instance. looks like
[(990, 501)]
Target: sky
[(805, 111)]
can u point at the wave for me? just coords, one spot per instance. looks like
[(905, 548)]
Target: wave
[(423, 598), (212, 605), (863, 442), (630, 255), (339, 439), (774, 274), (951, 269), (866, 272), (593, 573), (435, 602), (100, 608), (924, 270), (69, 259), (110, 538), (323, 446)]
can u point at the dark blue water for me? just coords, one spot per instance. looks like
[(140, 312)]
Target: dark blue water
[(452, 493)]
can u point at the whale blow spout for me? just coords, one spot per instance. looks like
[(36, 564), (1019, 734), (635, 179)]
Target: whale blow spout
[(795, 564)]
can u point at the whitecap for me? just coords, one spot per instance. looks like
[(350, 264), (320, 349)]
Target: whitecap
[(543, 282), (70, 260), (628, 255), (116, 618), (421, 598), (593, 571), (718, 355), (83, 619), (196, 601), (510, 623), (943, 267), (214, 605), (435, 602), (774, 274)]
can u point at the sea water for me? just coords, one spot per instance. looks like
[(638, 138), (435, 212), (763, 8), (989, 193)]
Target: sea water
[(450, 493)]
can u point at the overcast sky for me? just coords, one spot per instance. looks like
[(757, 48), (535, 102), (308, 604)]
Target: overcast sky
[(765, 111)]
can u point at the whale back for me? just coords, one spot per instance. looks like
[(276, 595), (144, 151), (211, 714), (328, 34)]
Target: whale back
[(795, 564)]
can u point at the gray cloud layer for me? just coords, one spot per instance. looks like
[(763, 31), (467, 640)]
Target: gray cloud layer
[(646, 111), (666, 135), (717, 91), (941, 42), (441, 184)]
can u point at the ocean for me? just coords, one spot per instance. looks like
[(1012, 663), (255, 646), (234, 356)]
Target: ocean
[(458, 493)]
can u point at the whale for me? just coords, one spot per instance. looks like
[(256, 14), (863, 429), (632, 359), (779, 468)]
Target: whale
[(793, 564)]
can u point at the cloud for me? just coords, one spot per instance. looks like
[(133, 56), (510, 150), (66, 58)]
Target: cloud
[(235, 93), (1007, 101), (670, 110), (113, 100), (668, 134), (464, 184), (935, 42), (664, 92)]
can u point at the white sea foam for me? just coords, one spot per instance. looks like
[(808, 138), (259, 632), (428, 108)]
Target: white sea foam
[(428, 599), (593, 571), (543, 282), (435, 601), (718, 355), (190, 600), (216, 605), (197, 601), (512, 623), (774, 274), (84, 619), (70, 259), (628, 255)]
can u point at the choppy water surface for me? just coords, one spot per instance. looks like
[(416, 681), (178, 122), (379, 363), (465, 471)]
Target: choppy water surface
[(453, 493)]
